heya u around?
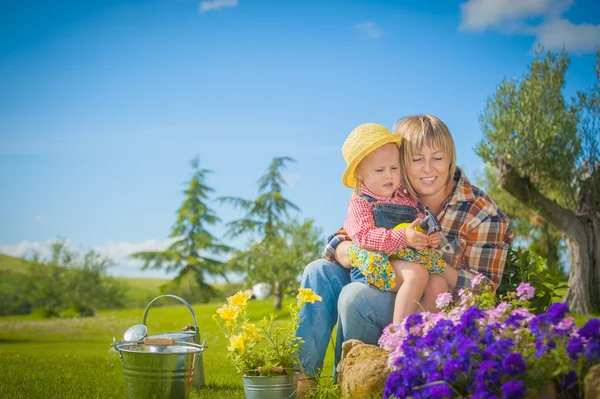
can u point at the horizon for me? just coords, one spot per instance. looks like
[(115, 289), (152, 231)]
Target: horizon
[(106, 102)]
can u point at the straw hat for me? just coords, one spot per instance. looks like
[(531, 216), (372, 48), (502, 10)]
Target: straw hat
[(364, 139)]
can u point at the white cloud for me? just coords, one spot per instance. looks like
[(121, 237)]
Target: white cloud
[(119, 252), (26, 249), (482, 14), (369, 29), (538, 18), (556, 34), (207, 5)]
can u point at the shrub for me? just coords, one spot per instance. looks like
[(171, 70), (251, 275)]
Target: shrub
[(524, 267)]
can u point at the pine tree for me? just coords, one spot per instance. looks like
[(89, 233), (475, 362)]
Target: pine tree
[(265, 221), (195, 247)]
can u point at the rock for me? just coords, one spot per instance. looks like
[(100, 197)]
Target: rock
[(591, 383), (363, 370)]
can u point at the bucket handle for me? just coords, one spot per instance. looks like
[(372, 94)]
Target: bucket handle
[(197, 332)]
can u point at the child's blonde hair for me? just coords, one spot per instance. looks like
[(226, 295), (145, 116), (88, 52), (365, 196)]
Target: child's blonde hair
[(417, 130)]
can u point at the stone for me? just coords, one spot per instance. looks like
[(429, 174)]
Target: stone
[(363, 370), (591, 383)]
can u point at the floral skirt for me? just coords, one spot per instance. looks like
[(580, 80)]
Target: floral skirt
[(376, 266)]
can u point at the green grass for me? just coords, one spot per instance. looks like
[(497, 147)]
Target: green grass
[(11, 264), (72, 358)]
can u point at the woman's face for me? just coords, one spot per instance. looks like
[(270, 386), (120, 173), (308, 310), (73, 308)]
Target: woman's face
[(428, 171)]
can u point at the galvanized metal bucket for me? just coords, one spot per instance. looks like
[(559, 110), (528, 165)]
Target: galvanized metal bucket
[(158, 371), (163, 366), (271, 387), (184, 336)]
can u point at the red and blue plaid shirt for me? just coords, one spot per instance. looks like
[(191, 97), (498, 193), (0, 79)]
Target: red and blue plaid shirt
[(475, 237)]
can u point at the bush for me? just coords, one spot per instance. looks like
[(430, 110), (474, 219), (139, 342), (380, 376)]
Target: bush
[(45, 313), (188, 288), (228, 289), (69, 281), (524, 267)]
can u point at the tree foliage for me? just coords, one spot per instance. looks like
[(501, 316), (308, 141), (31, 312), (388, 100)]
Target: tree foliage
[(546, 151), (542, 238), (68, 283), (195, 248), (279, 260), (266, 221), (265, 215)]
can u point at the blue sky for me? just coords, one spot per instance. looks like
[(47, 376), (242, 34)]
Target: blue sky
[(104, 103)]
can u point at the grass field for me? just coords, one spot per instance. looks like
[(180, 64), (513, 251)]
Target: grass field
[(72, 358)]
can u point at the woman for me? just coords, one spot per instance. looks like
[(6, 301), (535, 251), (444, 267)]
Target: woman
[(475, 238)]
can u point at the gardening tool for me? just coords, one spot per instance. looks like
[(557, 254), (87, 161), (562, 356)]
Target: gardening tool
[(162, 366), (428, 225)]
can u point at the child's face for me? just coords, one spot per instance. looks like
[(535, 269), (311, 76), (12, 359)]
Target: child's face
[(380, 170)]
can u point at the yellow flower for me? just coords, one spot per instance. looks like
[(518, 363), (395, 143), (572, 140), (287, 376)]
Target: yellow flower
[(237, 342), (250, 329), (228, 313), (307, 295), (239, 299)]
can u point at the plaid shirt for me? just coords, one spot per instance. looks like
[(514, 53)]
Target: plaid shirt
[(360, 224), (475, 237)]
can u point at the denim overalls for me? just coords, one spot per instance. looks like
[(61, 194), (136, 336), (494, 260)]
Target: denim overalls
[(364, 261)]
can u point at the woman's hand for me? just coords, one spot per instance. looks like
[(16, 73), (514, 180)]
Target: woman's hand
[(414, 239), (341, 254), (434, 239)]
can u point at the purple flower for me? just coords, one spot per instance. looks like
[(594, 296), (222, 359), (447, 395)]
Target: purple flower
[(574, 348), (569, 381), (488, 372), (513, 389), (452, 369), (438, 391), (557, 311), (513, 364), (413, 320), (525, 291), (591, 329), (443, 300)]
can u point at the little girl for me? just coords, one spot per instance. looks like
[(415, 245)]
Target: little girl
[(373, 157)]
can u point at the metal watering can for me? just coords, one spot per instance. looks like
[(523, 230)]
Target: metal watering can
[(163, 366)]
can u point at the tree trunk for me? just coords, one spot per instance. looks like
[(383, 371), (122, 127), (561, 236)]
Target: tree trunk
[(581, 231), (277, 294)]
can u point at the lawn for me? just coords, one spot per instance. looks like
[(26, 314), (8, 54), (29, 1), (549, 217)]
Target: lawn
[(72, 358)]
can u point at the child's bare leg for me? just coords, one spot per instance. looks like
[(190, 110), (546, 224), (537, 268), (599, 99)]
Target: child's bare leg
[(436, 285), (450, 275), (411, 279)]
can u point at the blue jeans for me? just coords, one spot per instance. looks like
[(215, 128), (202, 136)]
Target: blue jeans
[(361, 312)]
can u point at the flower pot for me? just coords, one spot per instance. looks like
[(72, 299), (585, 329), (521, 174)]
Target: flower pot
[(271, 387)]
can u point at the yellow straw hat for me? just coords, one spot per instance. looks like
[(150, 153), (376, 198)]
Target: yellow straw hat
[(364, 139)]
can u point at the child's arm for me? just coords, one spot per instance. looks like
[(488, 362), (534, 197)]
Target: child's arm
[(361, 228)]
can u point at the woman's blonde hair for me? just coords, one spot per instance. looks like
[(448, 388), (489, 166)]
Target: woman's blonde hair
[(417, 130)]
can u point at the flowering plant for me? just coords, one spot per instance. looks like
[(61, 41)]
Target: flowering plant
[(478, 349), (267, 347)]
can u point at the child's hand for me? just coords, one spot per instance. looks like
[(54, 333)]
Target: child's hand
[(434, 239), (415, 239)]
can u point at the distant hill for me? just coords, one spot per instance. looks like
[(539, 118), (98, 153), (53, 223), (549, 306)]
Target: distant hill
[(139, 291)]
